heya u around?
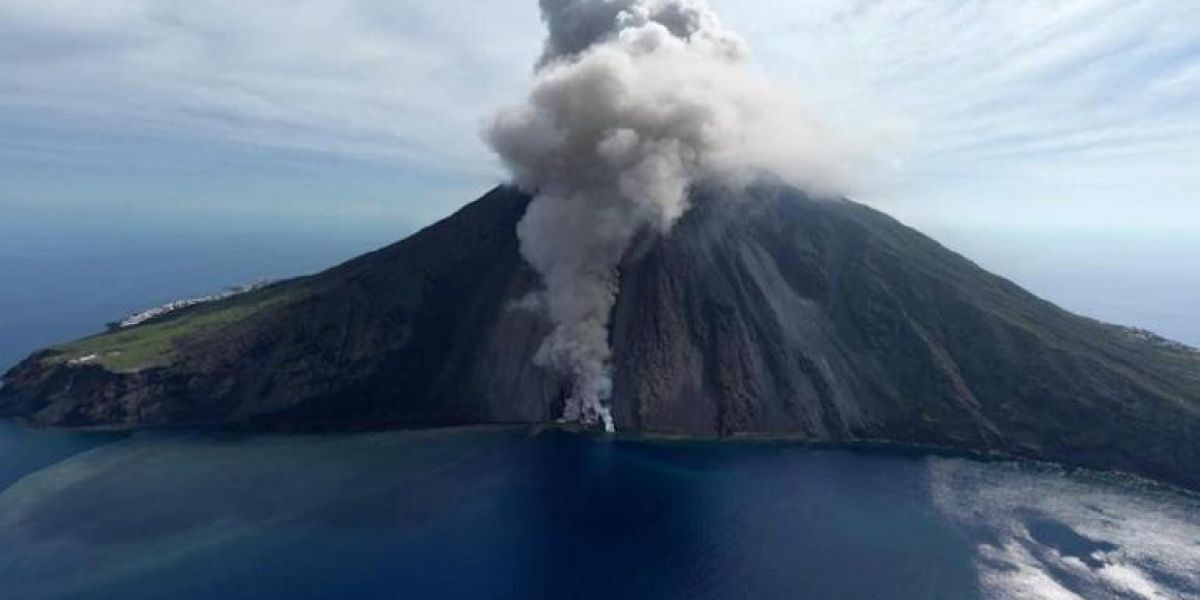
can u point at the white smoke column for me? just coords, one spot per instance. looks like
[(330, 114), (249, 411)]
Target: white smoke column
[(632, 103)]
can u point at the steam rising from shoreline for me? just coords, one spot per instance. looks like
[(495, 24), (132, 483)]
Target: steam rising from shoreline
[(633, 102)]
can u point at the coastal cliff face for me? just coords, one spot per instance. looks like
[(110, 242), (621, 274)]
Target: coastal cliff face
[(764, 312)]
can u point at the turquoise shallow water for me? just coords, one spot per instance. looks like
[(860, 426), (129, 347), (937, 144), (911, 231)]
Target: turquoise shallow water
[(507, 514)]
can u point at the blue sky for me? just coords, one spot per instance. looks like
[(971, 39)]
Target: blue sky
[(993, 123), (1022, 113)]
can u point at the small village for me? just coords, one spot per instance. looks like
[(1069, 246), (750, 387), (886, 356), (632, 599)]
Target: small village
[(170, 307)]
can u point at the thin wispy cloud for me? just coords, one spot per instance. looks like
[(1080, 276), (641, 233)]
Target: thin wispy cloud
[(1086, 101), (1032, 108), (404, 81)]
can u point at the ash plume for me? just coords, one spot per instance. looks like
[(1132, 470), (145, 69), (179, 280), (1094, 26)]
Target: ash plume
[(633, 102)]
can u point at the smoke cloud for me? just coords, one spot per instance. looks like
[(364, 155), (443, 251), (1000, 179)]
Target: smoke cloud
[(633, 102)]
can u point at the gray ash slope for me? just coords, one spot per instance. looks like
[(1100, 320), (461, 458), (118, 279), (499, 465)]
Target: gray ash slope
[(767, 313)]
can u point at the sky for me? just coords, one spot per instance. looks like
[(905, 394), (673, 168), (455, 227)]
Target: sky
[(991, 122)]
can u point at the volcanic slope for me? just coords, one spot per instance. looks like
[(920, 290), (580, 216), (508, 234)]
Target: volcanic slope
[(764, 312)]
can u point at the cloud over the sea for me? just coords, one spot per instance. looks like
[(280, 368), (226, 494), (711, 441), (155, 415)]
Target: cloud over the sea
[(1066, 107)]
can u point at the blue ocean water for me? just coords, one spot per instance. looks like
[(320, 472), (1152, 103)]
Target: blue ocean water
[(506, 513), (61, 279), (514, 514)]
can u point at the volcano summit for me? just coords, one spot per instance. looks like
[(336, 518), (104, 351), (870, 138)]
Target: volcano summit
[(763, 312)]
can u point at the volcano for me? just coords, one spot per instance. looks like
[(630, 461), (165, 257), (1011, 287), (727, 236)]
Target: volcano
[(765, 312)]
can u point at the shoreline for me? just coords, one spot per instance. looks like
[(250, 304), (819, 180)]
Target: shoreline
[(532, 430)]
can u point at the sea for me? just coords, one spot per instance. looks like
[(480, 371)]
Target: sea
[(515, 513), (521, 514)]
